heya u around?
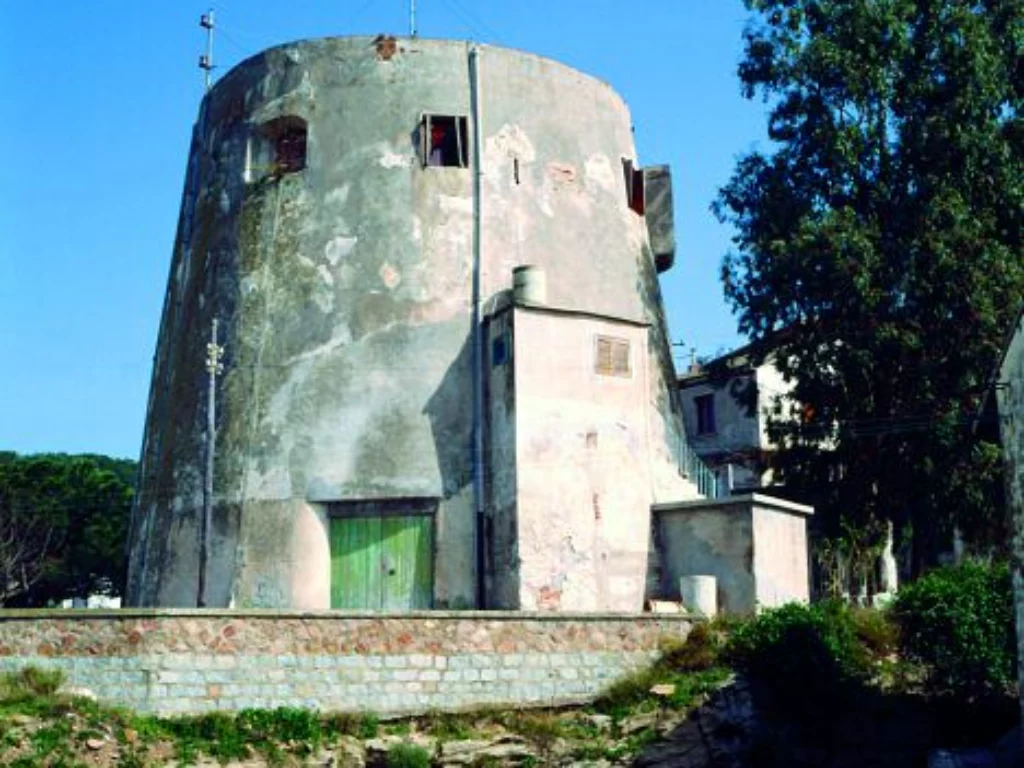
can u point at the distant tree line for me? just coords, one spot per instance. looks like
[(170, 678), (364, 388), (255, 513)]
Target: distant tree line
[(63, 526)]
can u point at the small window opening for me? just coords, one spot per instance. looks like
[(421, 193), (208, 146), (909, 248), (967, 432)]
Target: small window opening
[(443, 142), (277, 148), (612, 356), (288, 136), (705, 405), (635, 197), (499, 351), (515, 169)]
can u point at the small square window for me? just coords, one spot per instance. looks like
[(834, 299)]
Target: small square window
[(499, 350), (278, 147), (443, 142), (635, 193), (612, 356), (705, 405)]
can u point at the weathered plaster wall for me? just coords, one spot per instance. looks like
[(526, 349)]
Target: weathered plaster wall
[(781, 553), (707, 542), (1010, 394), (592, 455), (755, 545), (770, 384), (583, 465), (502, 534), (344, 295), (171, 662), (736, 426)]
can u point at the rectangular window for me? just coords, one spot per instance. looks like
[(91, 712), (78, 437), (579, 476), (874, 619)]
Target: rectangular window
[(444, 141), (635, 193), (278, 147), (705, 405), (612, 356)]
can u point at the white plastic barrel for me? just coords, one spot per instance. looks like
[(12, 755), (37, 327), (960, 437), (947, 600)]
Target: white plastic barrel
[(699, 594)]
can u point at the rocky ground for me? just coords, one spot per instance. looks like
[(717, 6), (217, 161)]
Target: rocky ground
[(58, 730), (563, 738)]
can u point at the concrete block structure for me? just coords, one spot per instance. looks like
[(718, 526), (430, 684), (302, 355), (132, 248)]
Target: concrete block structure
[(396, 428), (754, 545)]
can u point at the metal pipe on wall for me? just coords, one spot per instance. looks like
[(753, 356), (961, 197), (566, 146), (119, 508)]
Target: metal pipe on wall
[(478, 348)]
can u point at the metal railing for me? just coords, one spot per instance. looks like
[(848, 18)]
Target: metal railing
[(696, 471)]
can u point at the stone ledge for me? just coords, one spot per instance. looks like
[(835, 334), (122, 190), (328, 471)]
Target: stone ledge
[(745, 500), (34, 614)]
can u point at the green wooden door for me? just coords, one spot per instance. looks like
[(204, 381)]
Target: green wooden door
[(382, 563), (408, 571)]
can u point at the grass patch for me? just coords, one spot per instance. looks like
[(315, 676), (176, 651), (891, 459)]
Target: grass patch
[(369, 726), (408, 756), (540, 727), (33, 691), (447, 726), (694, 667)]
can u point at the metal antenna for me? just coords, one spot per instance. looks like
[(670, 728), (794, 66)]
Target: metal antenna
[(214, 367), (206, 60), (412, 18)]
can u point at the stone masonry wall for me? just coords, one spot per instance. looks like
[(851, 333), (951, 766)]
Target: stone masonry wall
[(190, 661)]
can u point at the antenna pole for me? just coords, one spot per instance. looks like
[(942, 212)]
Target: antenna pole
[(214, 366), (412, 18), (206, 60)]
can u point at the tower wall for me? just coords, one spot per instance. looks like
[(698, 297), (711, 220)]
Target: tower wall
[(344, 293)]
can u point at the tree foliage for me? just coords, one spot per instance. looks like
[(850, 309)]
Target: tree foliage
[(959, 622), (878, 246), (63, 523)]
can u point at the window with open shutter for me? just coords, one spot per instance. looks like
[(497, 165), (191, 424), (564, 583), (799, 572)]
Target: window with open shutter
[(444, 141), (635, 191)]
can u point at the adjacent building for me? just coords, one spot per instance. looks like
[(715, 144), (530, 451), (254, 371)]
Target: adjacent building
[(725, 404)]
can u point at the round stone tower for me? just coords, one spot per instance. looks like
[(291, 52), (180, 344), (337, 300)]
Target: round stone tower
[(352, 215)]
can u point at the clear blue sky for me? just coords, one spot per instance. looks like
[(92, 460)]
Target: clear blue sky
[(97, 101)]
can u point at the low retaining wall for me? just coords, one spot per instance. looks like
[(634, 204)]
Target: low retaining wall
[(189, 661)]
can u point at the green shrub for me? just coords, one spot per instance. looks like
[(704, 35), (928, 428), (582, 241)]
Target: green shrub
[(700, 651), (801, 656), (369, 726), (407, 755), (30, 682), (875, 631), (958, 622)]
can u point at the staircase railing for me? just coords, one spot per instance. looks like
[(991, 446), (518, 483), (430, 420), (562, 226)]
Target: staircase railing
[(694, 469)]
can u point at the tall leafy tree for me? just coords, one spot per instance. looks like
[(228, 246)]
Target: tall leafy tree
[(63, 523), (878, 248)]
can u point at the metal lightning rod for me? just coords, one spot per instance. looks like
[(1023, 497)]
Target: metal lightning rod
[(206, 60), (412, 18)]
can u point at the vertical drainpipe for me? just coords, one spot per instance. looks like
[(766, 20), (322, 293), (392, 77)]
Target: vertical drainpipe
[(478, 348)]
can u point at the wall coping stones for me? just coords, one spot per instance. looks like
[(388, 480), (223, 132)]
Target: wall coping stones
[(739, 502), (217, 632), (36, 614)]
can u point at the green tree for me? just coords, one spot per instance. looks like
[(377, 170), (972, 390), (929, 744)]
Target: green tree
[(63, 524), (878, 247)]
